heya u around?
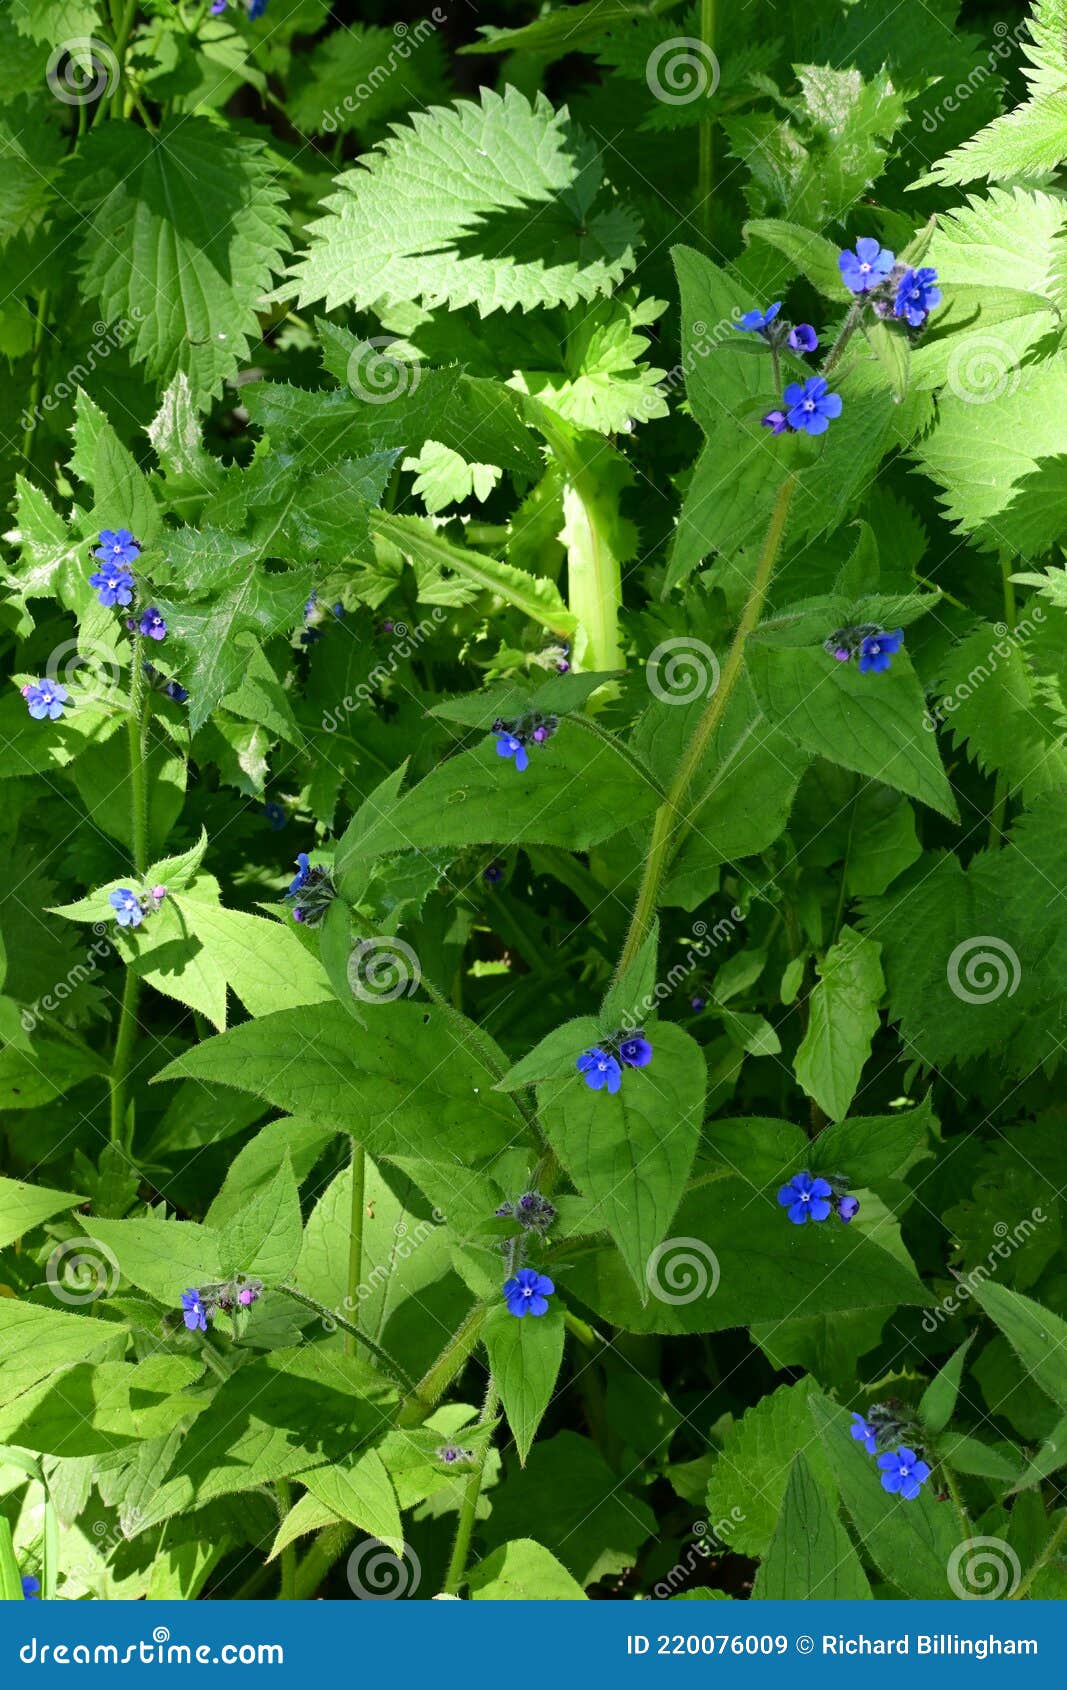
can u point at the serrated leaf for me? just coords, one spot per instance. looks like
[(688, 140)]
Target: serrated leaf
[(262, 1241), (842, 1021), (525, 1355), (811, 1557), (363, 1495)]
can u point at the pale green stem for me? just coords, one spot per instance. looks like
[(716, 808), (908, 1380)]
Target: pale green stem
[(287, 1593), (457, 1566), (435, 1381)]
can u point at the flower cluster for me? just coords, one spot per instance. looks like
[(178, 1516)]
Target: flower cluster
[(874, 646), (256, 8), (531, 1210), (130, 909), (810, 408), (313, 616), (454, 1455), (311, 891), (903, 1471), (512, 738), (602, 1067), (801, 338), (811, 1198), (199, 1306), (526, 1291), (893, 290)]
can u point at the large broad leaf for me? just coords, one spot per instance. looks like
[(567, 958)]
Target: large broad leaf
[(263, 1240), (37, 1343), (1038, 1337), (811, 1557), (524, 1355), (22, 1207), (748, 1481), (842, 1022), (161, 1257), (523, 1571), (183, 230), (631, 1153), (362, 1494), (462, 207), (404, 1089)]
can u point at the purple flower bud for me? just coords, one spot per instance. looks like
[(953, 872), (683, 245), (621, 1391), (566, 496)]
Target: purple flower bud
[(777, 422), (848, 1208)]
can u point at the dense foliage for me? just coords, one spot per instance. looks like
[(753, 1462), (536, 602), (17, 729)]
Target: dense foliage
[(535, 740)]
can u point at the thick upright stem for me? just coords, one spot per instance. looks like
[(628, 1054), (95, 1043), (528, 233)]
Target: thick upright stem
[(436, 1380), (127, 1027), (457, 1566), (355, 1242), (671, 821)]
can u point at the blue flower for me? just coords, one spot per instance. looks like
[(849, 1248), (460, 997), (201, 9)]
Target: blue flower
[(903, 1473), (275, 815), (777, 423), (45, 698), (114, 583), (806, 1198), (151, 625), (508, 746), (127, 907), (493, 873), (636, 1052), (176, 691), (31, 1589), (600, 1070), (193, 1311), (917, 295), (811, 406), (877, 649), (528, 1292), (864, 1433), (867, 267), (697, 1003), (117, 545), (302, 875), (848, 1208), (803, 338), (758, 321)]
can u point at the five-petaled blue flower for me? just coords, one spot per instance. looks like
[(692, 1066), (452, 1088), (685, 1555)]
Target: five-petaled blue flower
[(45, 698), (600, 1070), (877, 649), (867, 267), (758, 321), (508, 746), (903, 1473), (806, 1198), (31, 1589), (193, 1311), (113, 583), (117, 545), (528, 1292), (127, 907), (803, 338), (812, 407), (636, 1052), (848, 1208), (152, 625), (302, 875), (864, 1433), (917, 295)]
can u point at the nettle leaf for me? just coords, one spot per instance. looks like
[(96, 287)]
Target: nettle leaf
[(183, 232), (811, 1557), (842, 1021), (461, 207), (631, 1153), (749, 1480), (357, 77), (525, 1355)]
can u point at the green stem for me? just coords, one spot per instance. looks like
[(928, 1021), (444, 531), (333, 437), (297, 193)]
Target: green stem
[(388, 1365), (848, 329), (123, 29), (424, 1397), (355, 1242), (952, 1486), (1043, 1559), (36, 379), (457, 1566), (120, 1061), (590, 516), (287, 1592), (671, 822), (327, 1548), (706, 156), (135, 728)]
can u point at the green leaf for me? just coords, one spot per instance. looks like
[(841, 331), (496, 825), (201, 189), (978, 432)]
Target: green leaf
[(10, 1578), (37, 1344), (22, 1207), (631, 1153), (555, 1057), (1038, 1337), (362, 1494), (810, 254), (842, 1021), (630, 999), (535, 596), (183, 231), (256, 1164), (875, 1148), (938, 1401), (161, 1257), (525, 1356), (522, 1571), (399, 226), (748, 1481), (262, 1241), (811, 1557)]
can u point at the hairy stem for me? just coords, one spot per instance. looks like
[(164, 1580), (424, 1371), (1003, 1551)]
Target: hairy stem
[(37, 377), (327, 1548), (848, 329), (120, 1061), (355, 1242), (425, 1396), (287, 1592), (385, 1360), (1043, 1559), (671, 821), (457, 1566)]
